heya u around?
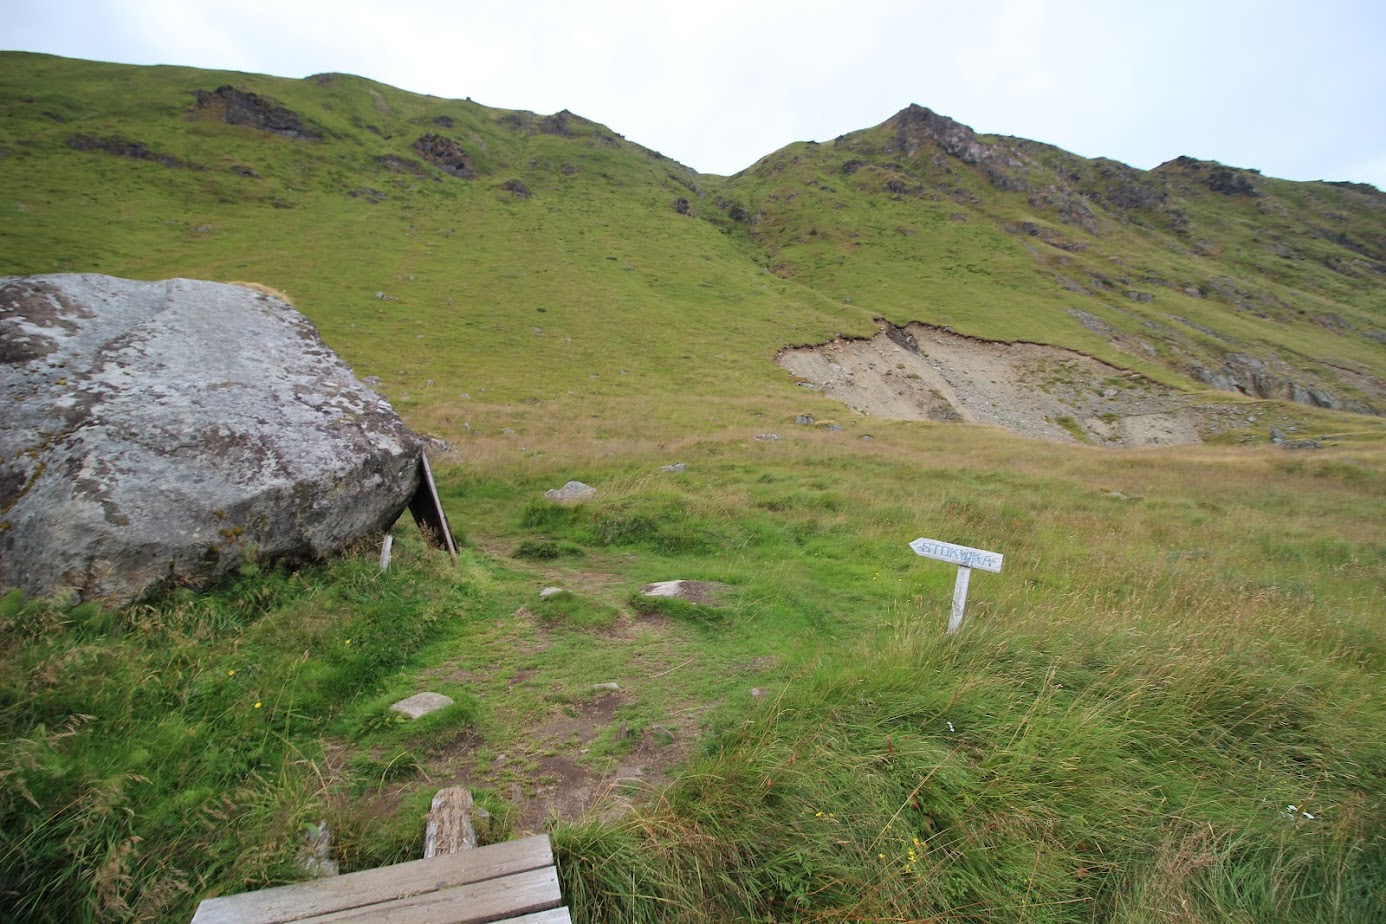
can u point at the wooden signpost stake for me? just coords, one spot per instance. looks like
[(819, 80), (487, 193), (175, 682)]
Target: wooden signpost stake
[(966, 559)]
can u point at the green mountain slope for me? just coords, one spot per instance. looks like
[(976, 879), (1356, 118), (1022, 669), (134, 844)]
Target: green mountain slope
[(453, 249), (555, 256), (1181, 268)]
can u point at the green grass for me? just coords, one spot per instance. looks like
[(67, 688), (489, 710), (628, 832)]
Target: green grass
[(576, 611), (926, 782), (1133, 702), (141, 745)]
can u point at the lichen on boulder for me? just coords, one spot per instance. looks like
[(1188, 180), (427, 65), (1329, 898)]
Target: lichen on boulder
[(165, 432)]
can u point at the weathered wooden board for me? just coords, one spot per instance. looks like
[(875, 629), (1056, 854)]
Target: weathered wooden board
[(450, 828), (304, 901), (552, 916), (427, 509), (474, 903)]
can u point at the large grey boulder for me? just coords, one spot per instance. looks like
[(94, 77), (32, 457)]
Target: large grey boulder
[(155, 432)]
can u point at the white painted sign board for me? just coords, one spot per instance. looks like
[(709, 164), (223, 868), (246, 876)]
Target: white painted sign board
[(966, 559), (958, 554)]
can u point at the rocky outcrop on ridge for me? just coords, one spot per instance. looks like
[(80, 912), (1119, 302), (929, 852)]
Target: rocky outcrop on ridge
[(241, 107)]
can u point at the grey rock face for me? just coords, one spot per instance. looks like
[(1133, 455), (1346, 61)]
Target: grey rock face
[(156, 432), (916, 125), (1274, 379), (241, 107)]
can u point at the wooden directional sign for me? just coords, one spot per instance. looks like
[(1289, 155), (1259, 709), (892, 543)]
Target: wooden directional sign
[(958, 554), (966, 559)]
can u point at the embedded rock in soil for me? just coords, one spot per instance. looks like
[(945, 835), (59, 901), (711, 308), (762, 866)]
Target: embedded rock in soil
[(159, 433), (708, 593), (574, 492)]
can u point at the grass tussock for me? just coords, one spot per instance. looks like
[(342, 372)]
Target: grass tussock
[(153, 754), (976, 780)]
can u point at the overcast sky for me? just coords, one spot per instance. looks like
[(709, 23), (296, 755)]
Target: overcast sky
[(1294, 89)]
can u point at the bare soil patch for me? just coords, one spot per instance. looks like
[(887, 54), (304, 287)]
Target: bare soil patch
[(919, 372), (548, 775), (579, 754)]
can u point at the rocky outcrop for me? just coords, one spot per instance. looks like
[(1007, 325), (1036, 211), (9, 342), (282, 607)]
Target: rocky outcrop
[(1229, 181), (241, 107), (916, 126), (1126, 188), (1325, 385), (124, 147), (164, 432), (446, 154), (557, 124)]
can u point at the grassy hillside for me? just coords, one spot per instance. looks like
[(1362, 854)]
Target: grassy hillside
[(483, 286), (559, 233), (1169, 705), (1014, 240)]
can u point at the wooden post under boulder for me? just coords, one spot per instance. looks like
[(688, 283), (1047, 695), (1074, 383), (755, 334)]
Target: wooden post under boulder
[(427, 509)]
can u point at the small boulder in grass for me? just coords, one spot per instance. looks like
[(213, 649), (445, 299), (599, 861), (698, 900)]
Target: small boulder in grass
[(421, 704), (574, 492), (707, 593)]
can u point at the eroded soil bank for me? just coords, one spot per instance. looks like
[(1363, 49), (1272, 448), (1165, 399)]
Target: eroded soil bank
[(919, 372)]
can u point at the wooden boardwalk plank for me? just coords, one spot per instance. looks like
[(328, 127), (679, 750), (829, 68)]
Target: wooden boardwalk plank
[(282, 904), (476, 903), (552, 916)]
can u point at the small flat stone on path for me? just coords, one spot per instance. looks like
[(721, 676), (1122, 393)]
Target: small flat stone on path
[(421, 704)]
